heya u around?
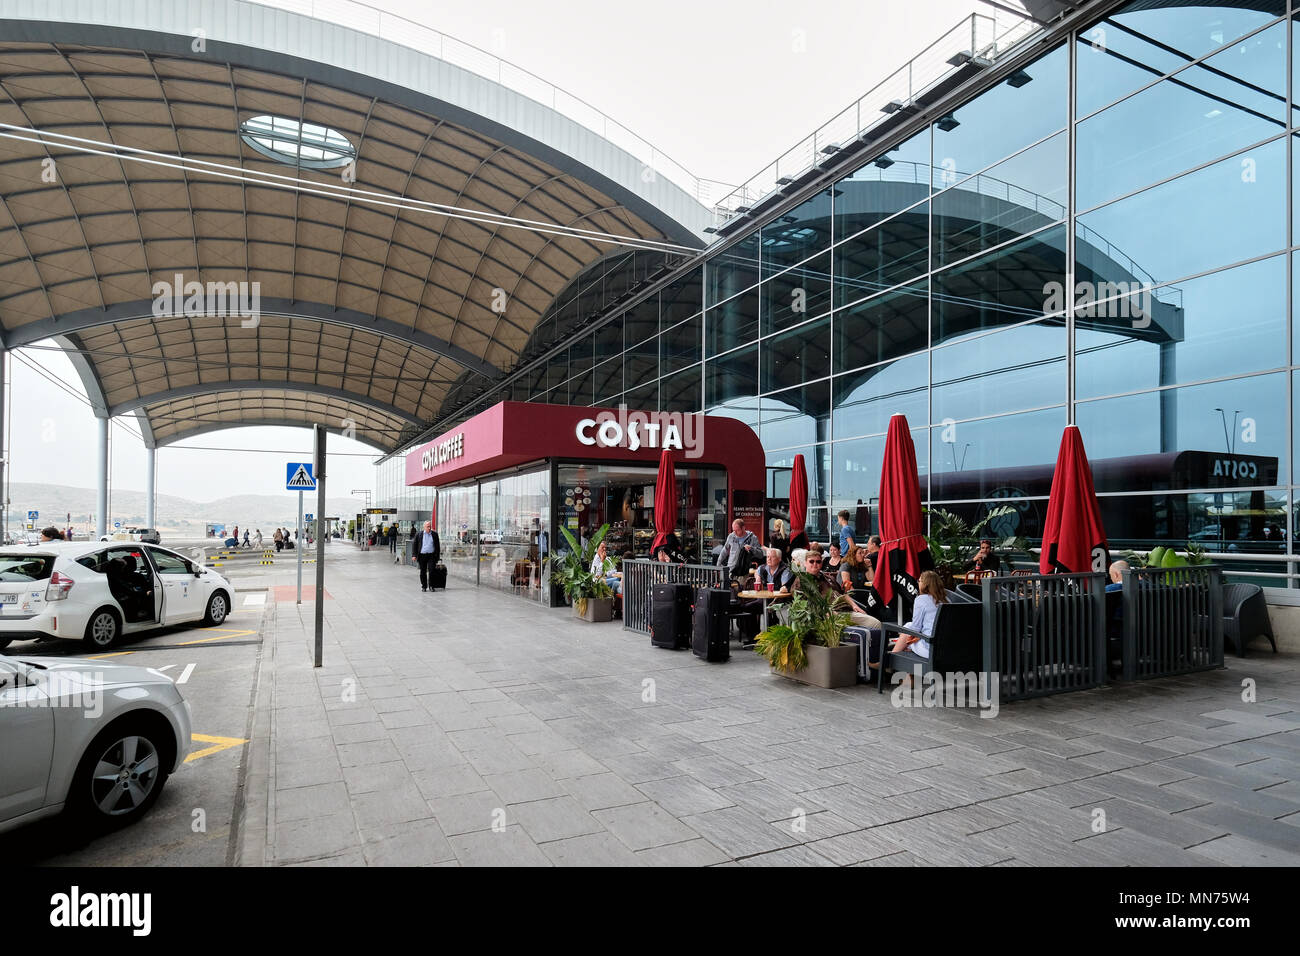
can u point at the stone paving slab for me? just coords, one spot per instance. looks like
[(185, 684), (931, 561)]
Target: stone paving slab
[(470, 727)]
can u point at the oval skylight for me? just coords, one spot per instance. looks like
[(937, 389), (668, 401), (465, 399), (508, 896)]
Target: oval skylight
[(304, 145)]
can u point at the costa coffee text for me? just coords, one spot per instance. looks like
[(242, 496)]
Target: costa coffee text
[(453, 447), (611, 434)]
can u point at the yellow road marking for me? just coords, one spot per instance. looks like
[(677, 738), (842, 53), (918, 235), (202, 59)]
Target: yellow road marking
[(100, 657), (208, 640), (218, 744)]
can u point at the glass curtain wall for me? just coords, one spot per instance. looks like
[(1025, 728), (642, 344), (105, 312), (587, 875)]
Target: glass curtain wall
[(1121, 207), (495, 533)]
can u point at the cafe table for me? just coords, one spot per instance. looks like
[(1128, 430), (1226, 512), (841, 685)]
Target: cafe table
[(780, 602)]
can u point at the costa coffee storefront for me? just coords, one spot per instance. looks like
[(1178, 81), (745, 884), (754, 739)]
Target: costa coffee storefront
[(510, 477)]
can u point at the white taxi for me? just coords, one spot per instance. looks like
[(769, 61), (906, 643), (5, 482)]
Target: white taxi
[(98, 592)]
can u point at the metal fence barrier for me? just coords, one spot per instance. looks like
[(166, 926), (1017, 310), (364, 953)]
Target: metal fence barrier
[(1173, 621), (1045, 633), (640, 575)]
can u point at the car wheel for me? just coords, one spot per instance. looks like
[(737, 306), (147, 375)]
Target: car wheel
[(121, 773), (103, 629), (218, 608)]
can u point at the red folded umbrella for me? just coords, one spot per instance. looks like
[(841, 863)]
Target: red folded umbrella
[(798, 504), (665, 501), (1074, 540), (904, 552)]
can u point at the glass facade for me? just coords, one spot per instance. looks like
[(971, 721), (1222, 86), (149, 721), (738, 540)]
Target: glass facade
[(1102, 237), (495, 532), (623, 496)]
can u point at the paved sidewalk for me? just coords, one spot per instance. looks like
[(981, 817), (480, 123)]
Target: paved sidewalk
[(471, 727)]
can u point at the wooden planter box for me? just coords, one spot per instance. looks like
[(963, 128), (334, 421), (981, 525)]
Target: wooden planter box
[(598, 610), (828, 667)]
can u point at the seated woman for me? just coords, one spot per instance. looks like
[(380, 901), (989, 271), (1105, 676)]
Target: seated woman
[(602, 564), (924, 611), (832, 564), (855, 573)]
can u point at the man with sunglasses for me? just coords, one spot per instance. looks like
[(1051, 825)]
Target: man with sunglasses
[(813, 561)]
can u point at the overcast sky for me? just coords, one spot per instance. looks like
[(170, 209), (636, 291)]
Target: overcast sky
[(723, 87)]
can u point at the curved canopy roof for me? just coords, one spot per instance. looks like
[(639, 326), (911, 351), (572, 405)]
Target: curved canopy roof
[(369, 308)]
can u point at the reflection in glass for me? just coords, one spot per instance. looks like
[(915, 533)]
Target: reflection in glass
[(1022, 109), (733, 376), (799, 416), (1235, 210), (1014, 198), (802, 232), (995, 457), (458, 531), (856, 472), (732, 271), (608, 381), (1226, 323), (1017, 368), (797, 294), (681, 344), (865, 400), (888, 326), (800, 355), (1142, 42), (682, 392), (1235, 430), (1202, 113), (887, 185), (1005, 287), (893, 252), (733, 323)]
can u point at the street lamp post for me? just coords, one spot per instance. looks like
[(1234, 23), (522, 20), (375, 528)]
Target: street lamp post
[(1229, 437)]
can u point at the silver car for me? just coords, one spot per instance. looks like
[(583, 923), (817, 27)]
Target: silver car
[(96, 738)]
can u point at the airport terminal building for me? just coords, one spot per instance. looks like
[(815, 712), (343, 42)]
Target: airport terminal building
[(1082, 217), (1094, 227)]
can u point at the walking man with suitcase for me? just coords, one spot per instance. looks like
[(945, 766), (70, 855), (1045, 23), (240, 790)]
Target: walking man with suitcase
[(427, 550)]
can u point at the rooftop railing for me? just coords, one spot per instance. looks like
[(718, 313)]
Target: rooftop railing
[(979, 37)]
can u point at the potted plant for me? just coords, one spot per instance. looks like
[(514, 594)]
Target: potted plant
[(953, 542), (808, 649), (592, 597)]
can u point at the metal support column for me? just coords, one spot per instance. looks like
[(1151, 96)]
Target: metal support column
[(4, 439), (101, 479), (150, 475)]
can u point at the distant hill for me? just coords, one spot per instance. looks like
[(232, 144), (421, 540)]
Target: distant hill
[(176, 515)]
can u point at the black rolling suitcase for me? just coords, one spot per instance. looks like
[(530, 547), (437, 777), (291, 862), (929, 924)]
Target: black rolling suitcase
[(670, 615), (711, 635), (438, 576)]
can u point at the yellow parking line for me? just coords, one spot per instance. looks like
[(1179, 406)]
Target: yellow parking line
[(218, 744), (208, 640), (100, 657)]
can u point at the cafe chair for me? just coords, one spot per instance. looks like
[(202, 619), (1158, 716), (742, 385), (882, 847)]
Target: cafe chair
[(1245, 616), (957, 645)]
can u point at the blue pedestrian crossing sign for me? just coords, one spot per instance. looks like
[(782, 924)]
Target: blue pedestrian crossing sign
[(299, 476), (33, 515), (308, 516)]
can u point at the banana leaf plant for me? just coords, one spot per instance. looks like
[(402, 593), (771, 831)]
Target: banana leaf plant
[(953, 541), (816, 617), (572, 570)]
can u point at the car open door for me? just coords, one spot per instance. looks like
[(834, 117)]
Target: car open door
[(184, 596)]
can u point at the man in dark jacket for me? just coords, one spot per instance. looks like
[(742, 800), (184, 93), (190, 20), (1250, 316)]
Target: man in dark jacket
[(426, 550)]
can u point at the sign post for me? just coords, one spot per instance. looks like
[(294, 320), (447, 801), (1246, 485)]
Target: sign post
[(299, 477), (320, 542)]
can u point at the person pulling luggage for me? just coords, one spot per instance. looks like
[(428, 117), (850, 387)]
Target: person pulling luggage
[(426, 551)]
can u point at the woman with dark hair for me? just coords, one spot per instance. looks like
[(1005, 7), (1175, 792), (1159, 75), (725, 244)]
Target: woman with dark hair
[(855, 573)]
